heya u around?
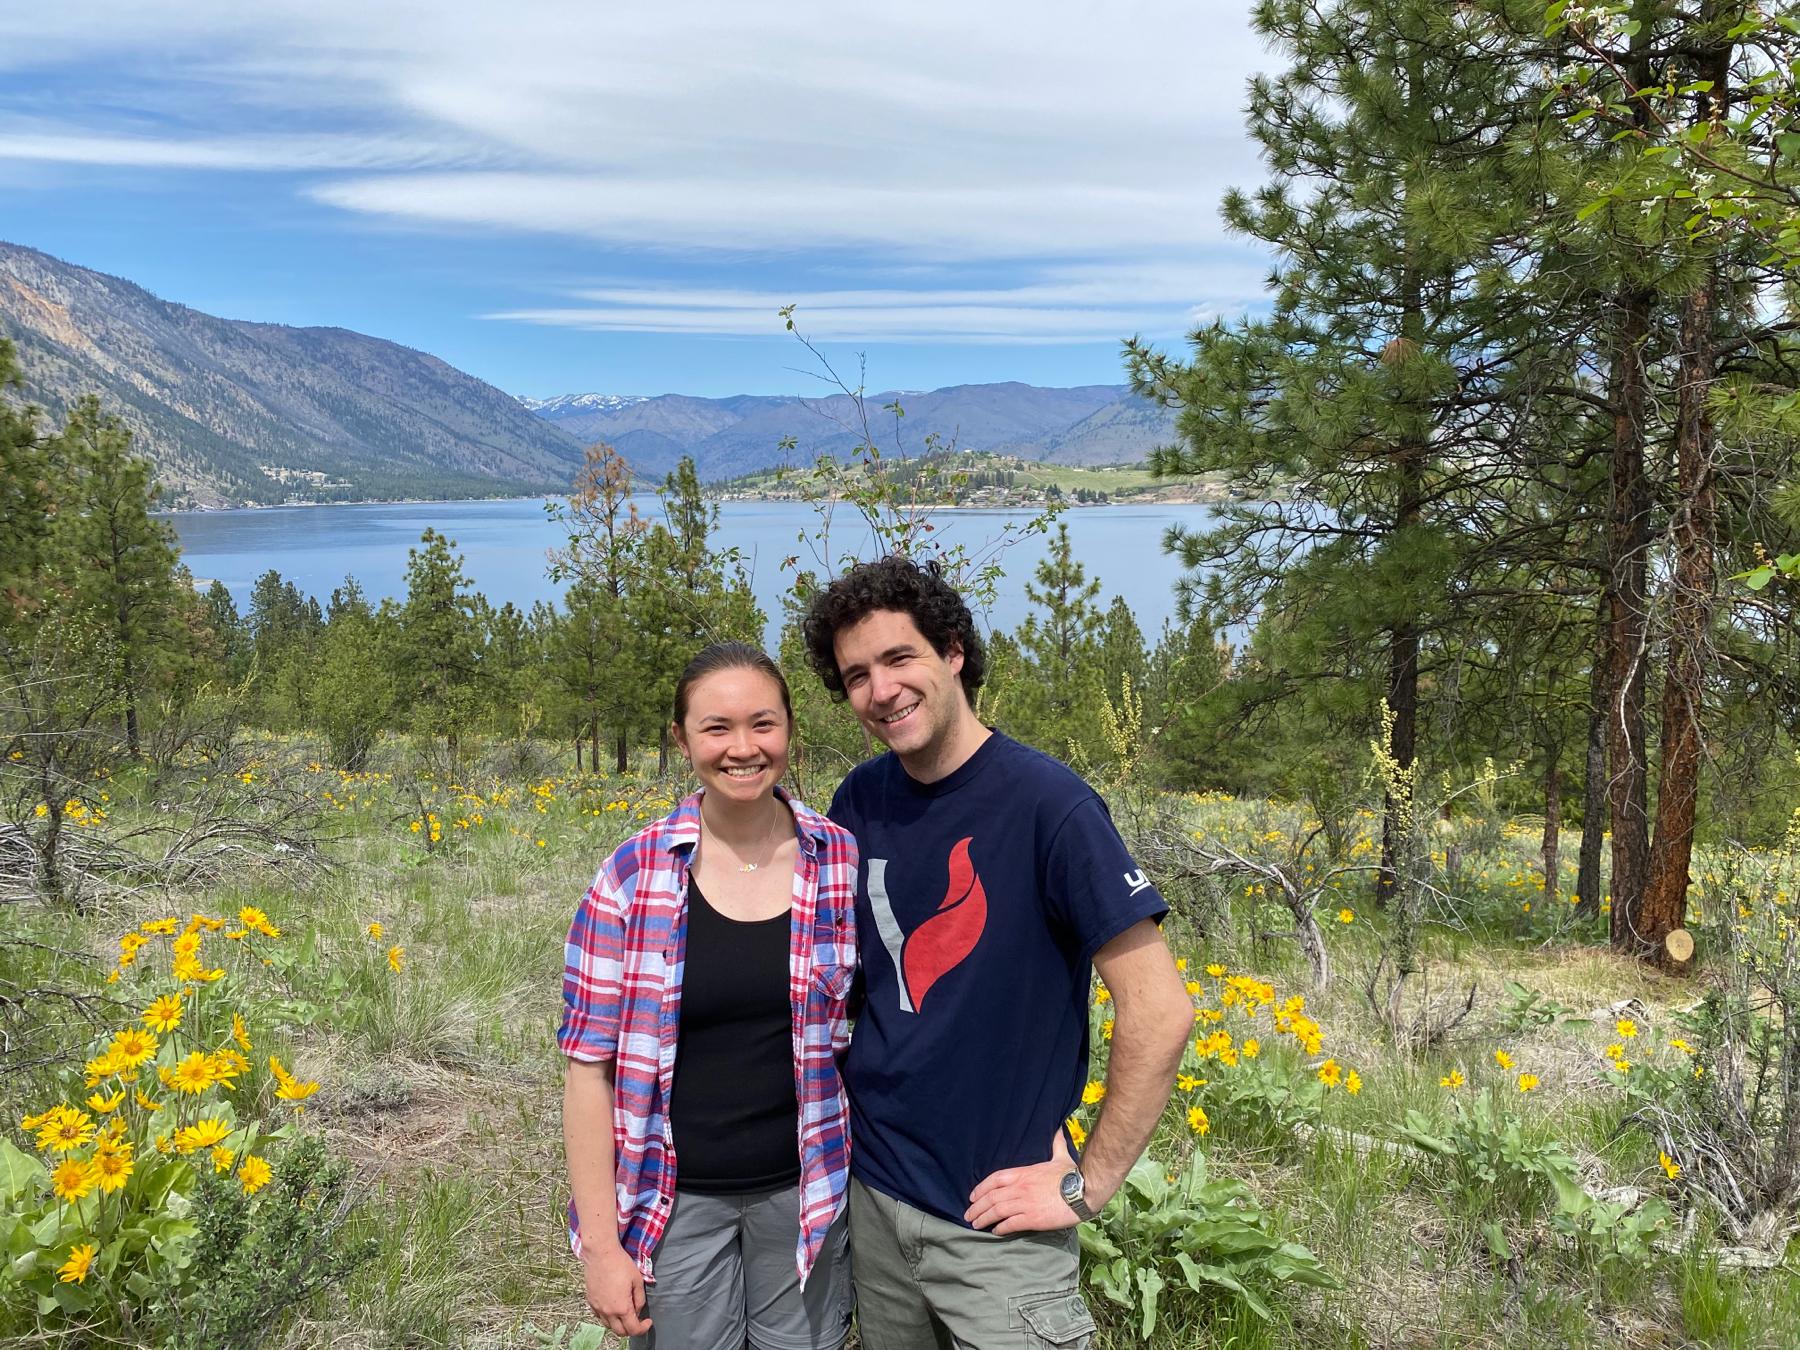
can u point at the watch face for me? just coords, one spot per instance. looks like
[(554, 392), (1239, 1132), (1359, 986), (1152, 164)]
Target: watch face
[(1072, 1186)]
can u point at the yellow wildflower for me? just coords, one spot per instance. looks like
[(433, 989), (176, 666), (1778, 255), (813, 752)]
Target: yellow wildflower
[(133, 1047), (1453, 1079), (1353, 1082), (396, 958), (75, 1269), (193, 1075), (112, 1168), (105, 1105), (1186, 1082), (1331, 1073), (1669, 1166), (1197, 1121), (202, 1134), (1346, 916), (254, 1173), (1076, 1133), (1528, 1082), (165, 1014), (103, 1065), (1626, 1028), (1252, 1048), (222, 1159), (375, 930), (239, 1032), (72, 1179), (67, 1129), (1503, 1059), (1092, 1093)]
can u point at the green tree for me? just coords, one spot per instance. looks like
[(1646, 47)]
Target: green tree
[(121, 562), (1057, 706), (352, 687), (437, 644), (28, 476), (682, 595), (1357, 424), (592, 659)]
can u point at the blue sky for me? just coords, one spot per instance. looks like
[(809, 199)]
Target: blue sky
[(561, 198)]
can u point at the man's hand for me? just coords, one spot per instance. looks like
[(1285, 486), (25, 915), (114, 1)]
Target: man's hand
[(615, 1291), (1025, 1199)]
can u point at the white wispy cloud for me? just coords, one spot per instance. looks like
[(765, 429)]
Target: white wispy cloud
[(1034, 134), (1069, 305), (266, 154)]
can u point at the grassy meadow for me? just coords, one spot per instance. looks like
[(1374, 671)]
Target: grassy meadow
[(416, 980)]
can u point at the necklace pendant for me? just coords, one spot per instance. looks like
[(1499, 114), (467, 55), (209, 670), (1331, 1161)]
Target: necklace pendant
[(746, 867)]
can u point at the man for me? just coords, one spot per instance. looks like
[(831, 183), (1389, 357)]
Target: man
[(992, 878)]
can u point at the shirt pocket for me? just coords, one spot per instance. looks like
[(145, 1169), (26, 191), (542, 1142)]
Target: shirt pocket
[(832, 976)]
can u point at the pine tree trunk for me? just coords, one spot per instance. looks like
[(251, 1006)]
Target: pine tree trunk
[(1628, 551), (1695, 532), (1664, 905), (1552, 841), (1593, 788), (1403, 637), (1628, 528), (623, 749)]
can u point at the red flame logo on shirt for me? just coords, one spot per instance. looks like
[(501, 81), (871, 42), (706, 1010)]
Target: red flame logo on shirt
[(939, 944)]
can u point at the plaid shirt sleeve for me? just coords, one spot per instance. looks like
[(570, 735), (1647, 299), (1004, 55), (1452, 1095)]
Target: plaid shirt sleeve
[(594, 973)]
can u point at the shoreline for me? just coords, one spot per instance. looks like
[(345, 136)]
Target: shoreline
[(1205, 496)]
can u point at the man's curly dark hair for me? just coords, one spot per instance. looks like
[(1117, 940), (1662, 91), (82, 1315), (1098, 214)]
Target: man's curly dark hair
[(915, 589)]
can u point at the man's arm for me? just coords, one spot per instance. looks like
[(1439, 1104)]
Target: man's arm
[(1151, 1026)]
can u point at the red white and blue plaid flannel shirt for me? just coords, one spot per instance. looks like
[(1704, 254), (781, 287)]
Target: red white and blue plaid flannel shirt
[(622, 1002)]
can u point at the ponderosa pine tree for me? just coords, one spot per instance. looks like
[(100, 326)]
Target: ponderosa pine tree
[(121, 564), (1359, 421), (437, 643), (592, 658), (1057, 703)]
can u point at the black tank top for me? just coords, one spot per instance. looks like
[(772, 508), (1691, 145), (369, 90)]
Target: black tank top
[(733, 1111)]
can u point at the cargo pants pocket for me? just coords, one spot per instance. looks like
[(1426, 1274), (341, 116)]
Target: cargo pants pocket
[(1060, 1320)]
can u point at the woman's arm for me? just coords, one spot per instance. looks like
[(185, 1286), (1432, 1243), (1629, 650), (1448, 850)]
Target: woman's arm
[(615, 1286)]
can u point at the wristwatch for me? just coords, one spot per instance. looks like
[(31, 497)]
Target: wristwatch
[(1074, 1193)]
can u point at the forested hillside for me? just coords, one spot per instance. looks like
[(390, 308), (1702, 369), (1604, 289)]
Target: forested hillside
[(233, 413)]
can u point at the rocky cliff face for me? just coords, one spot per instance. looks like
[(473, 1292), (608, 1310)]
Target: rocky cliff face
[(234, 413)]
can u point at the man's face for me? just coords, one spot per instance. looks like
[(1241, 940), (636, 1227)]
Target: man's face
[(907, 695)]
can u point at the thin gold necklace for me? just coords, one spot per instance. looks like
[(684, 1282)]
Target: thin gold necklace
[(743, 866)]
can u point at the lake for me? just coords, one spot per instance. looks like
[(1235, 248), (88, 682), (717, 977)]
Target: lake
[(504, 544)]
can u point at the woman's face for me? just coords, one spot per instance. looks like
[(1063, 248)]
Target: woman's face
[(735, 733)]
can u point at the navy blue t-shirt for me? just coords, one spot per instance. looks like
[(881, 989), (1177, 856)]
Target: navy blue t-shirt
[(980, 902)]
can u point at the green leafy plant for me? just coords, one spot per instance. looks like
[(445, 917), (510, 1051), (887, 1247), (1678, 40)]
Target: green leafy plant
[(1494, 1163), (1529, 1009), (1193, 1237), (254, 1260)]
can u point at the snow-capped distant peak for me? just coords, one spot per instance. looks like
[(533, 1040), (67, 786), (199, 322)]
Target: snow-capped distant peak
[(567, 405)]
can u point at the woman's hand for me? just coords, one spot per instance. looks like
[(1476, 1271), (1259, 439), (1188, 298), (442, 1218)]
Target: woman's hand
[(615, 1291)]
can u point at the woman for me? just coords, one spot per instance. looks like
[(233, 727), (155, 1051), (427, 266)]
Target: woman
[(703, 1017)]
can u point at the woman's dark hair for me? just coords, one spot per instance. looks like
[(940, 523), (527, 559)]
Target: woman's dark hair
[(728, 656), (917, 590)]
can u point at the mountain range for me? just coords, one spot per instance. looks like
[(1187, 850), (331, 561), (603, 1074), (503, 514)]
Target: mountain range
[(730, 437), (242, 413)]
